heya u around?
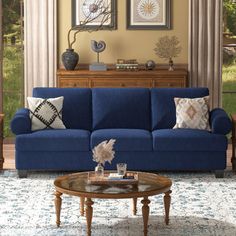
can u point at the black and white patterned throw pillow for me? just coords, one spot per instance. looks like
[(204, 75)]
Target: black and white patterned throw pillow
[(46, 113)]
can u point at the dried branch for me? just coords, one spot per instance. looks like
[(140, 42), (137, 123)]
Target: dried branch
[(168, 47), (105, 14), (104, 152)]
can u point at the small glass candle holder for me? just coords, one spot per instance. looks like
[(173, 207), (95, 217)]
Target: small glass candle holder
[(121, 168)]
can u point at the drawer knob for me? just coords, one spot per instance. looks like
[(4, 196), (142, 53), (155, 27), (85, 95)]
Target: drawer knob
[(74, 85), (122, 85)]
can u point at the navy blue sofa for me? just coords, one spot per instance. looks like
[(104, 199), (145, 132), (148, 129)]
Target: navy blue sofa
[(140, 119)]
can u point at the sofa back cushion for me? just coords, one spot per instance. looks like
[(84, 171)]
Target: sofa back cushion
[(77, 105), (163, 105), (121, 108)]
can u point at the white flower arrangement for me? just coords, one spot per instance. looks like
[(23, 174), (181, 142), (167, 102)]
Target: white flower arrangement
[(104, 152)]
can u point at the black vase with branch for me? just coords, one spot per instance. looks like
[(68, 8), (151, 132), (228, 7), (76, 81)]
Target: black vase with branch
[(70, 58)]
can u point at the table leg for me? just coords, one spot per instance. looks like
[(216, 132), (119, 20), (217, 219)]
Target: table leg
[(82, 206), (57, 202), (89, 214), (135, 206), (145, 211), (167, 200)]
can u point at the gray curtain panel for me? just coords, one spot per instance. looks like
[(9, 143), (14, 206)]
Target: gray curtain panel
[(205, 47)]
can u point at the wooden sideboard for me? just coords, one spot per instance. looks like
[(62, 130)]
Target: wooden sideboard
[(117, 79)]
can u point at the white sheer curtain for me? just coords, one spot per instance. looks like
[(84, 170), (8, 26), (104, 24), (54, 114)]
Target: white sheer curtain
[(40, 44), (205, 46)]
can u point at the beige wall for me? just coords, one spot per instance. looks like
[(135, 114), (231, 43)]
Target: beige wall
[(122, 43)]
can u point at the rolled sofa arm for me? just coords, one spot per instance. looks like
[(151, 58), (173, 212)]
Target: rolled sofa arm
[(220, 122), (21, 123)]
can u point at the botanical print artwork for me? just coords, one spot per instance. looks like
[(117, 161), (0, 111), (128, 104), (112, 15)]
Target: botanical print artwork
[(89, 14), (91, 9), (150, 11), (148, 14)]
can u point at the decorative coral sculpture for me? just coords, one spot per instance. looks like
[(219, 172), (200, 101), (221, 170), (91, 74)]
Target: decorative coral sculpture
[(104, 152), (167, 48)]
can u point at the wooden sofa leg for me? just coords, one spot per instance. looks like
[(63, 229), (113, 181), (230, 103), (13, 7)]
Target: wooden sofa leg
[(219, 173), (22, 173)]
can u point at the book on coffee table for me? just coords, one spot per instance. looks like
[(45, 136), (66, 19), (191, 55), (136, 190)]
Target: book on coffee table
[(113, 178)]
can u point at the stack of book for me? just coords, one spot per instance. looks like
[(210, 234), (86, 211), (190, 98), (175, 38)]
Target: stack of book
[(127, 64)]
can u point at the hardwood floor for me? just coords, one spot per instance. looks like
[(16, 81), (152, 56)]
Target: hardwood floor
[(9, 156)]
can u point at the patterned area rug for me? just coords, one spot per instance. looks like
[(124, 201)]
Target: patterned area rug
[(201, 205)]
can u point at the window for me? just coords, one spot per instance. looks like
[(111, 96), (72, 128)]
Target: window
[(13, 60), (229, 57)]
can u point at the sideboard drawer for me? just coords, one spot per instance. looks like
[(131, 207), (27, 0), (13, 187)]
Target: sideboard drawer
[(161, 78), (73, 83), (121, 83), (170, 83)]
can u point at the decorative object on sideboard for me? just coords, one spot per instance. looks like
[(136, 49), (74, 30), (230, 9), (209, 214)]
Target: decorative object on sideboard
[(130, 64), (167, 48), (150, 65), (171, 65), (70, 59), (98, 47), (101, 153), (103, 14)]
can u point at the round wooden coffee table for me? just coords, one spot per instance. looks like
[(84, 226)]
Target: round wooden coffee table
[(77, 185)]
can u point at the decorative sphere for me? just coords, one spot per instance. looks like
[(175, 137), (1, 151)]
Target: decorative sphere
[(150, 65)]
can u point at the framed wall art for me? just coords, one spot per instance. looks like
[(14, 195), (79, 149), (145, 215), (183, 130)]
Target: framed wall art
[(148, 14), (82, 10)]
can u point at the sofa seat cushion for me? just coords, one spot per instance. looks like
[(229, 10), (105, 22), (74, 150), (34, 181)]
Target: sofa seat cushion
[(54, 140), (126, 139), (187, 140)]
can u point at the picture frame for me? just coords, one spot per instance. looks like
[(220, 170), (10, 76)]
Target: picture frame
[(81, 8), (148, 14)]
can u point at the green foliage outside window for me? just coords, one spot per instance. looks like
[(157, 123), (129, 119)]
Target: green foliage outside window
[(12, 61), (11, 17), (229, 84), (12, 85), (230, 16), (229, 67)]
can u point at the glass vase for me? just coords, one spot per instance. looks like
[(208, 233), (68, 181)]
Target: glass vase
[(99, 171)]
